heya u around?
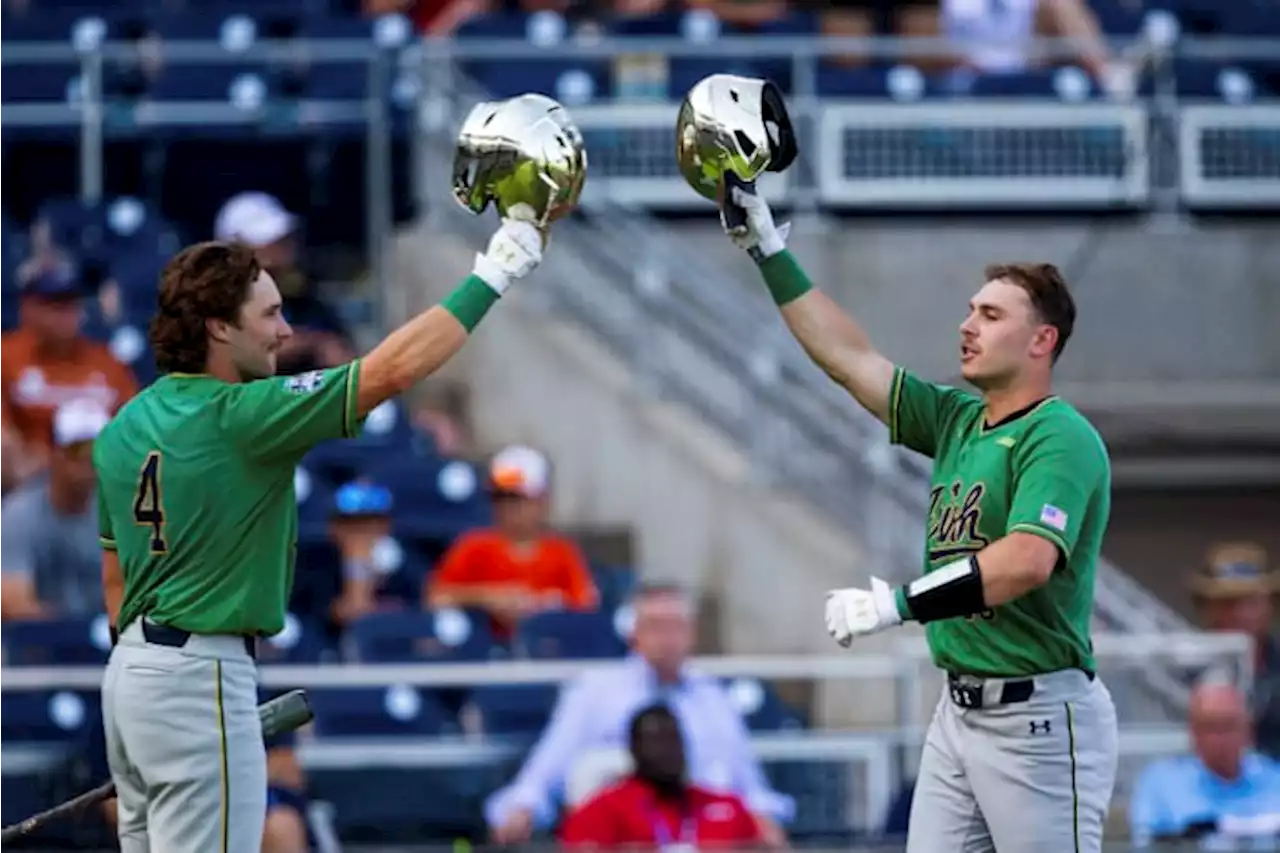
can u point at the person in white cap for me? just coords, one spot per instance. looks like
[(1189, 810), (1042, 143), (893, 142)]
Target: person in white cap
[(518, 566), (260, 221), (52, 563)]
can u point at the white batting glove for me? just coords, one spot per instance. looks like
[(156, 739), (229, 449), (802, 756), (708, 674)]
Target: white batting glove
[(514, 252), (857, 612), (759, 236)]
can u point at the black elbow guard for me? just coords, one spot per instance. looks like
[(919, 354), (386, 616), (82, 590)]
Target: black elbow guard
[(945, 593)]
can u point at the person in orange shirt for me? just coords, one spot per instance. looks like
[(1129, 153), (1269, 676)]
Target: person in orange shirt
[(518, 566), (46, 362)]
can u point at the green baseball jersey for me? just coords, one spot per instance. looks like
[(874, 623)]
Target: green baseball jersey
[(195, 485), (1045, 471)]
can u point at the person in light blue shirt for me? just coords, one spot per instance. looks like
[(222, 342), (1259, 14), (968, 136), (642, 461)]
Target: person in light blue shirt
[(594, 712), (1225, 794)]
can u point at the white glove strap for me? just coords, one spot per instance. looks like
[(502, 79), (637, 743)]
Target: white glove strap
[(886, 603), (488, 271), (773, 240)]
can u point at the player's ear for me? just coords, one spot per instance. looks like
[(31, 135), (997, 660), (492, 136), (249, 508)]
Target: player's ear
[(219, 330), (1045, 341)]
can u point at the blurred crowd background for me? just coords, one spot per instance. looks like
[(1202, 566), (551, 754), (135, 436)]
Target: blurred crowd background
[(618, 511)]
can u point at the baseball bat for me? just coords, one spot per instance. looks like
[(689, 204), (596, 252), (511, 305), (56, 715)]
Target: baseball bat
[(282, 714)]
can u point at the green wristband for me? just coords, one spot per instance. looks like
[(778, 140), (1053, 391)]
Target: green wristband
[(470, 301), (784, 277), (904, 609)]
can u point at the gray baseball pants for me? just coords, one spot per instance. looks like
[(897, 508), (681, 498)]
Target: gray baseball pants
[(185, 745), (1026, 777)]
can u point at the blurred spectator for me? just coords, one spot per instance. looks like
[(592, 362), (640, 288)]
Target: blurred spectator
[(1001, 34), (285, 830), (361, 522), (1224, 792), (442, 415), (656, 807), (595, 710), (319, 337), (46, 362), (743, 13), (52, 560), (517, 567), (852, 19), (1235, 592)]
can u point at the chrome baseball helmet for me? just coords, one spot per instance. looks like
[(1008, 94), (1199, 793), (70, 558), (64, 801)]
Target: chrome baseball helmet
[(732, 124), (525, 155)]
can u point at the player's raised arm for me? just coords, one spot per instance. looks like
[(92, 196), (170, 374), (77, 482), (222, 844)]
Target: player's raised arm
[(423, 345), (832, 338), (279, 419)]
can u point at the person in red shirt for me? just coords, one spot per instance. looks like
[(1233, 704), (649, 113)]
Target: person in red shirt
[(656, 807), (517, 567)]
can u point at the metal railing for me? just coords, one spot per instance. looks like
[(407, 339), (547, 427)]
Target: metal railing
[(881, 758)]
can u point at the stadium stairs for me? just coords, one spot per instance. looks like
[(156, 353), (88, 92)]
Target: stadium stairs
[(762, 559)]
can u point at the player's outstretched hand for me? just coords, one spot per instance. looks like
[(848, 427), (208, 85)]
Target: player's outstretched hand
[(748, 221), (856, 612), (514, 252)]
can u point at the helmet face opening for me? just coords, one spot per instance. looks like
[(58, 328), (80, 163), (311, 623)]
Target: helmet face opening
[(524, 155)]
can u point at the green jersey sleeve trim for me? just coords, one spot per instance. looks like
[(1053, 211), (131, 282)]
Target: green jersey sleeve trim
[(350, 413), (895, 398), (107, 544), (1044, 533)]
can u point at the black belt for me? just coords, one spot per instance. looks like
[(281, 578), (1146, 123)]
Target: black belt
[(176, 638), (967, 693)]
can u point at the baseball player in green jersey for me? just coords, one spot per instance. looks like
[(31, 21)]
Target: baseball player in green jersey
[(1020, 755), (199, 526)]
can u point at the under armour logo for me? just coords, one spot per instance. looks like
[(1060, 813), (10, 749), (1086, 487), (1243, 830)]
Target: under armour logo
[(1040, 727)]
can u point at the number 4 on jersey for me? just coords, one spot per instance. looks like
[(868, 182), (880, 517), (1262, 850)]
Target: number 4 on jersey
[(148, 507)]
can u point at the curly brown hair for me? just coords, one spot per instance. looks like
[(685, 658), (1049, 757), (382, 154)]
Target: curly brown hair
[(205, 281)]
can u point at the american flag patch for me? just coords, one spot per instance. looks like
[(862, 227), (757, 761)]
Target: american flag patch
[(1054, 517)]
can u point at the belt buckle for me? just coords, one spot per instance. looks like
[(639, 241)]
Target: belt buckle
[(965, 695)]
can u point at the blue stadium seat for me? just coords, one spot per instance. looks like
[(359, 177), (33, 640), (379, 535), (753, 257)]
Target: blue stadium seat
[(128, 343), (515, 709), (317, 580), (56, 642), (44, 83), (389, 711), (1117, 18), (567, 634), (614, 583), (441, 636), (900, 82), (436, 499), (135, 272), (70, 25), (388, 440), (48, 716), (1233, 82), (302, 641), (349, 79), (314, 495), (124, 231), (225, 83), (571, 81), (761, 708), (1068, 83)]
